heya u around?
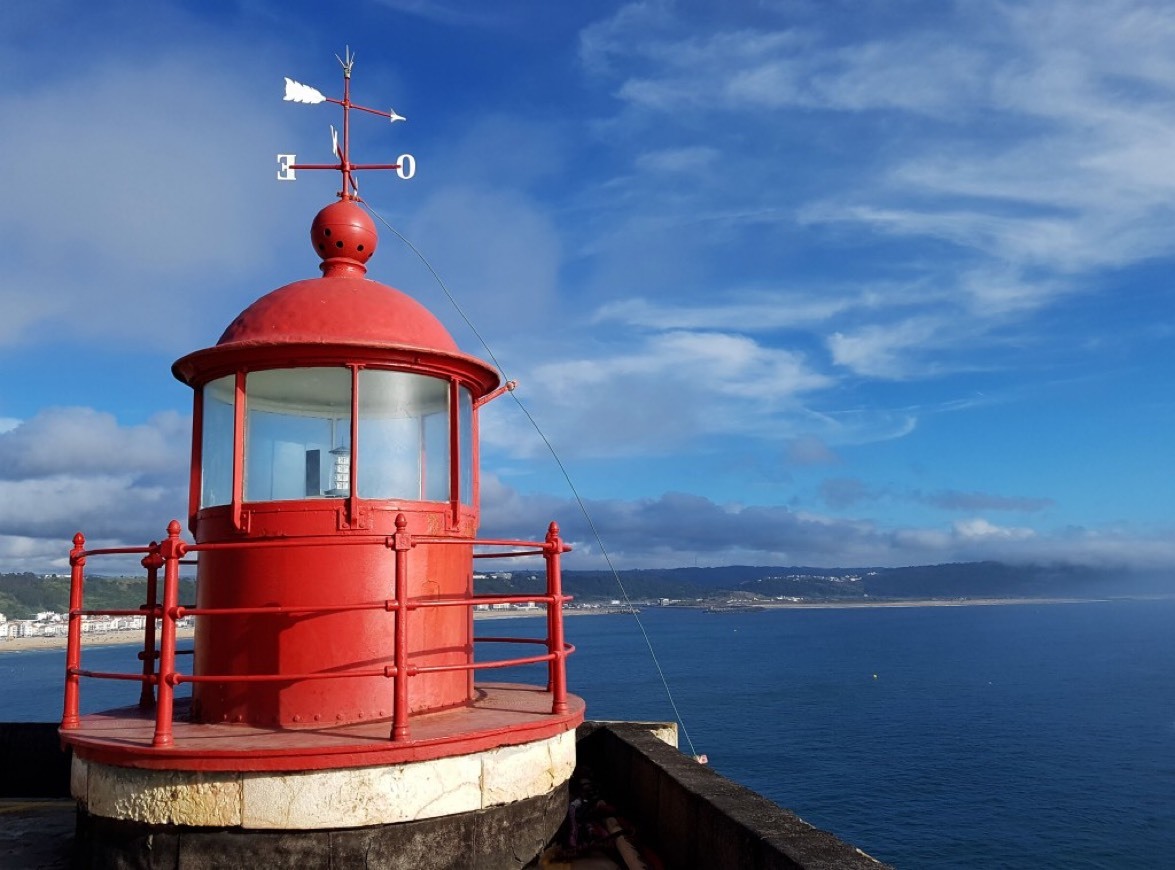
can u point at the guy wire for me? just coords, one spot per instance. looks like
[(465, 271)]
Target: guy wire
[(559, 462)]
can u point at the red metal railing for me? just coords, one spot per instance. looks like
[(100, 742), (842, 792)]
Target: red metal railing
[(159, 676)]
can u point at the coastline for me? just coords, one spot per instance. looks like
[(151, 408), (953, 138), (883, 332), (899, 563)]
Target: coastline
[(917, 602), (116, 638), (112, 638)]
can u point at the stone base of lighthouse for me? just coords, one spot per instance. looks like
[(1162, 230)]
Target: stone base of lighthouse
[(481, 786), (494, 808)]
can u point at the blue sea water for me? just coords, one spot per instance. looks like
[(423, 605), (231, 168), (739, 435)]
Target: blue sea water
[(1026, 736)]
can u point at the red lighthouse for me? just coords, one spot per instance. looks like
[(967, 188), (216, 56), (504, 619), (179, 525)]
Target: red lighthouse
[(334, 511), (329, 409)]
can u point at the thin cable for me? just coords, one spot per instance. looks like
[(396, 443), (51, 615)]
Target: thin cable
[(562, 469)]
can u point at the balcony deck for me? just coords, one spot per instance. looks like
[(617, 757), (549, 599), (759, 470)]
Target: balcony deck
[(501, 714)]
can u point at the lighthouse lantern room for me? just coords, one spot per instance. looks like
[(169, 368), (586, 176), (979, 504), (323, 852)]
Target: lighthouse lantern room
[(334, 512)]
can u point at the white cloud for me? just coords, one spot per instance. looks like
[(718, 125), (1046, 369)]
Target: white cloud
[(776, 212), (741, 68), (1080, 176), (77, 469), (664, 390), (36, 555), (101, 506), (889, 350), (82, 440), (1032, 143), (978, 528)]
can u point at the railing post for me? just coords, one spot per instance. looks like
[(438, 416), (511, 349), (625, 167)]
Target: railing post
[(73, 654), (401, 542), (152, 562), (557, 667), (171, 551)]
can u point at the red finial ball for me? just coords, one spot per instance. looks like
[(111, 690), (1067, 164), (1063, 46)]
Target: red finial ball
[(344, 236)]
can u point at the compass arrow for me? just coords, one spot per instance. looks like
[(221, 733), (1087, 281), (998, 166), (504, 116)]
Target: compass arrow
[(296, 92)]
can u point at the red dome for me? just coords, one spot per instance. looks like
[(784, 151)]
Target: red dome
[(338, 310), (338, 318)]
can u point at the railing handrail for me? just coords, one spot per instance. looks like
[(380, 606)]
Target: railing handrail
[(169, 555)]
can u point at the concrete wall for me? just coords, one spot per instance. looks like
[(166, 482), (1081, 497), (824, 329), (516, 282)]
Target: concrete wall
[(700, 818)]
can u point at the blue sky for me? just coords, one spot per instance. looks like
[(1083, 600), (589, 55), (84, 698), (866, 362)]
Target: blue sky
[(825, 283)]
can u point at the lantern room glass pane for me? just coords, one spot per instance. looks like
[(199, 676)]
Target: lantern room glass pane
[(216, 442), (298, 434), (465, 448), (403, 436)]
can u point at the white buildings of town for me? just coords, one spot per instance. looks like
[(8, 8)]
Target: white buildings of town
[(50, 624), (500, 575)]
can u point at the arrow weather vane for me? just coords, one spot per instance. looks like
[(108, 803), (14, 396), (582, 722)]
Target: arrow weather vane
[(296, 92)]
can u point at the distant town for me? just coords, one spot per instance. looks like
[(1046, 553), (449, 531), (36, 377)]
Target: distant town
[(49, 623), (55, 623)]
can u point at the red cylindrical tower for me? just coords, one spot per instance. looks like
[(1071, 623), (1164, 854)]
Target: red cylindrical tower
[(327, 408)]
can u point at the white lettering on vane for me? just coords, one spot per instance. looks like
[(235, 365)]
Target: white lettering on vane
[(285, 168)]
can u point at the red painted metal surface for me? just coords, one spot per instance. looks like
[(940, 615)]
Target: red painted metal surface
[(340, 319), (344, 236), (153, 561), (322, 612), (411, 663), (73, 653), (338, 308), (500, 715), (171, 550)]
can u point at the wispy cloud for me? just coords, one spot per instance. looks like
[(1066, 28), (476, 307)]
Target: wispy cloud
[(1039, 151), (665, 390), (983, 501), (744, 311), (675, 160), (808, 450)]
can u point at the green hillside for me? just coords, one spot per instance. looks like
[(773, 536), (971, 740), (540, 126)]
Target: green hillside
[(22, 596)]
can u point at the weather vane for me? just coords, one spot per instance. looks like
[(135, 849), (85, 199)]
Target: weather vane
[(296, 92)]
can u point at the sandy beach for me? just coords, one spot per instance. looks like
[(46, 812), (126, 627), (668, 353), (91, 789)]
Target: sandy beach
[(105, 638)]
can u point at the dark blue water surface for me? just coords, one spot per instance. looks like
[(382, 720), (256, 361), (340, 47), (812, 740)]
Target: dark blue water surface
[(1018, 736)]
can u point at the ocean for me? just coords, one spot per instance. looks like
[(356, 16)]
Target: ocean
[(1028, 736)]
